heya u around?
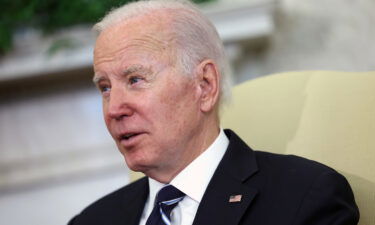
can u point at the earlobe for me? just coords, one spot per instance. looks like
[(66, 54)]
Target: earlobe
[(209, 81)]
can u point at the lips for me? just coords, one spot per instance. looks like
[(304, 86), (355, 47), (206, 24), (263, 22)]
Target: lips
[(129, 138)]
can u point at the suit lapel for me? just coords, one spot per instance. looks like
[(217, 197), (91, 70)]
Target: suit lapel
[(236, 167), (135, 203)]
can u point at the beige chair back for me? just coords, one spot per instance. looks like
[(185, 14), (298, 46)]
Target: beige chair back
[(325, 116)]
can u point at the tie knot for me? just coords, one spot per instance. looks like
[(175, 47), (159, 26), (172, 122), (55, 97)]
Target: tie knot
[(169, 195), (166, 199)]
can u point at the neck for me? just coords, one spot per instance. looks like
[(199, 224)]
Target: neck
[(203, 138)]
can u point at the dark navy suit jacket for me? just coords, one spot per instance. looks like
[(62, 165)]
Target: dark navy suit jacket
[(275, 189)]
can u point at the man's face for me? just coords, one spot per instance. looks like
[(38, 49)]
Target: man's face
[(150, 108)]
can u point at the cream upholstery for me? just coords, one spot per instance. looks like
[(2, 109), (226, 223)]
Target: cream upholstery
[(325, 116)]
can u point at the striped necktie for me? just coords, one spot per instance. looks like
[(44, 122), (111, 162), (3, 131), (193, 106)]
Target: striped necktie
[(166, 199)]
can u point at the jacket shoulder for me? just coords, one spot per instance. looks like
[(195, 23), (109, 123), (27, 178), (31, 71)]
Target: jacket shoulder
[(124, 194), (291, 170), (297, 189), (114, 205), (290, 163)]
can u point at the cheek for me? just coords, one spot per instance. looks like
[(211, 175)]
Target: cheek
[(105, 113), (178, 107)]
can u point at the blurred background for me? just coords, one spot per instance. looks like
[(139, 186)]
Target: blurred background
[(56, 156)]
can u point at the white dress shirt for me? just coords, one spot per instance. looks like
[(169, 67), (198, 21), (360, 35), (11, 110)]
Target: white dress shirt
[(192, 180)]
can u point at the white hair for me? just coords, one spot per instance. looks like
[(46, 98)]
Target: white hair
[(196, 37)]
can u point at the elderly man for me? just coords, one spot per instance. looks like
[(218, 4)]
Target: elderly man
[(161, 69)]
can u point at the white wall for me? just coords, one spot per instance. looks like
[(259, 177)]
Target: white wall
[(57, 204), (315, 35), (56, 155)]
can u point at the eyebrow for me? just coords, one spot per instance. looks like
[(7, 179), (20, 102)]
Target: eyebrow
[(131, 69), (97, 79), (135, 68)]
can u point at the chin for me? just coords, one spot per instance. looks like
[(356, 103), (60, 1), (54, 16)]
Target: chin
[(136, 165)]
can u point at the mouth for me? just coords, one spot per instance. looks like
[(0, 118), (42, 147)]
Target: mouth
[(129, 139), (128, 136)]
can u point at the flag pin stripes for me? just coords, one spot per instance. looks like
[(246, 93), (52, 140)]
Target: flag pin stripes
[(235, 198)]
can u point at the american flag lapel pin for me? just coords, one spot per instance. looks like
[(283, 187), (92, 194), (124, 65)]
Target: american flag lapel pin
[(235, 198)]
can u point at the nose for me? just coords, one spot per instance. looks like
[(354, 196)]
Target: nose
[(118, 105)]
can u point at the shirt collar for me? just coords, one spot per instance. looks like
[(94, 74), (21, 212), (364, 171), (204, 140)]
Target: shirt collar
[(194, 179)]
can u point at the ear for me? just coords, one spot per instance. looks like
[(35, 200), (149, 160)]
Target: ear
[(209, 83)]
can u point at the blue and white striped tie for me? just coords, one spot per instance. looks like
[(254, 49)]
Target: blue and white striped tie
[(166, 199)]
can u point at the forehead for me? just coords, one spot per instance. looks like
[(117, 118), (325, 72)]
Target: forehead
[(147, 32)]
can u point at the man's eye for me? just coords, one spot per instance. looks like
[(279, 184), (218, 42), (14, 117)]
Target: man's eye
[(133, 80), (104, 89)]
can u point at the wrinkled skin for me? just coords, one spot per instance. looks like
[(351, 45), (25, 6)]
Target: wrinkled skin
[(158, 117)]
